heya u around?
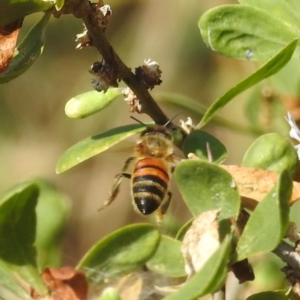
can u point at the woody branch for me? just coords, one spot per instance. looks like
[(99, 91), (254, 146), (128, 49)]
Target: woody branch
[(91, 15)]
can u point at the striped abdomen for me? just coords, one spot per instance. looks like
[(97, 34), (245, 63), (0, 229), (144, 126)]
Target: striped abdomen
[(150, 182)]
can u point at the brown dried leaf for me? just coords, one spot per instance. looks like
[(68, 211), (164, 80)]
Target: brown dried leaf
[(200, 241), (8, 40), (65, 283), (130, 286), (254, 184), (142, 285)]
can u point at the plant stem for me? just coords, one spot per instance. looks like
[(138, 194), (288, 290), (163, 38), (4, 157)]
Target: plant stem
[(99, 40), (287, 254)]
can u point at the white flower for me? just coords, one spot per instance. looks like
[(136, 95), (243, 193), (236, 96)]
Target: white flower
[(294, 132), (187, 126)]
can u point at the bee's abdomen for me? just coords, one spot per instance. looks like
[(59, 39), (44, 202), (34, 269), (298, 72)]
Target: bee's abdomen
[(149, 184)]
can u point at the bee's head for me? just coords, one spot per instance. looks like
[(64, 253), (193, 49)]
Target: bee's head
[(156, 141), (157, 130)]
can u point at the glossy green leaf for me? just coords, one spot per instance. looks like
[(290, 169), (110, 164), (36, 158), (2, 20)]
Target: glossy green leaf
[(168, 252), (89, 103), (268, 69), (205, 186), (94, 145), (110, 293), (28, 51), (248, 32), (53, 211), (12, 10), (268, 222), (272, 152), (269, 296), (120, 252), (203, 144), (209, 279), (17, 232)]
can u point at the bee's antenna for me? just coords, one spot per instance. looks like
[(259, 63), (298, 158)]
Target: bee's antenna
[(137, 120), (172, 119)]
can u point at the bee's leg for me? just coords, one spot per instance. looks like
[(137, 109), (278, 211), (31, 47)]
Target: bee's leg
[(127, 163), (118, 179), (163, 208)]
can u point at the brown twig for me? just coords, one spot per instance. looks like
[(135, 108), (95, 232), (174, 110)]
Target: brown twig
[(99, 40), (288, 254)]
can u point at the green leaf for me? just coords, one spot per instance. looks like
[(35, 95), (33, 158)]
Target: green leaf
[(269, 296), (12, 10), (248, 32), (53, 211), (205, 186), (193, 107), (268, 222), (110, 293), (286, 12), (17, 232), (200, 143), (209, 279), (94, 145), (168, 252), (59, 4), (286, 81), (268, 69), (254, 107), (182, 231), (120, 252), (89, 103), (28, 51), (8, 283), (272, 152)]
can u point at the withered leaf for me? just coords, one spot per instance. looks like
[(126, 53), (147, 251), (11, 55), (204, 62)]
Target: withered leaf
[(8, 40), (65, 283), (200, 241), (255, 183)]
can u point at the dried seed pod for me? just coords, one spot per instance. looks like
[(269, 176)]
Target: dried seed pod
[(105, 76), (132, 100), (149, 74)]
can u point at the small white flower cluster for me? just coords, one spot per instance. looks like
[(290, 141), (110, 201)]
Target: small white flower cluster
[(132, 100), (187, 126), (152, 65), (294, 132), (83, 39)]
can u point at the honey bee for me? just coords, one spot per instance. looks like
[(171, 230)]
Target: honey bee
[(154, 161)]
